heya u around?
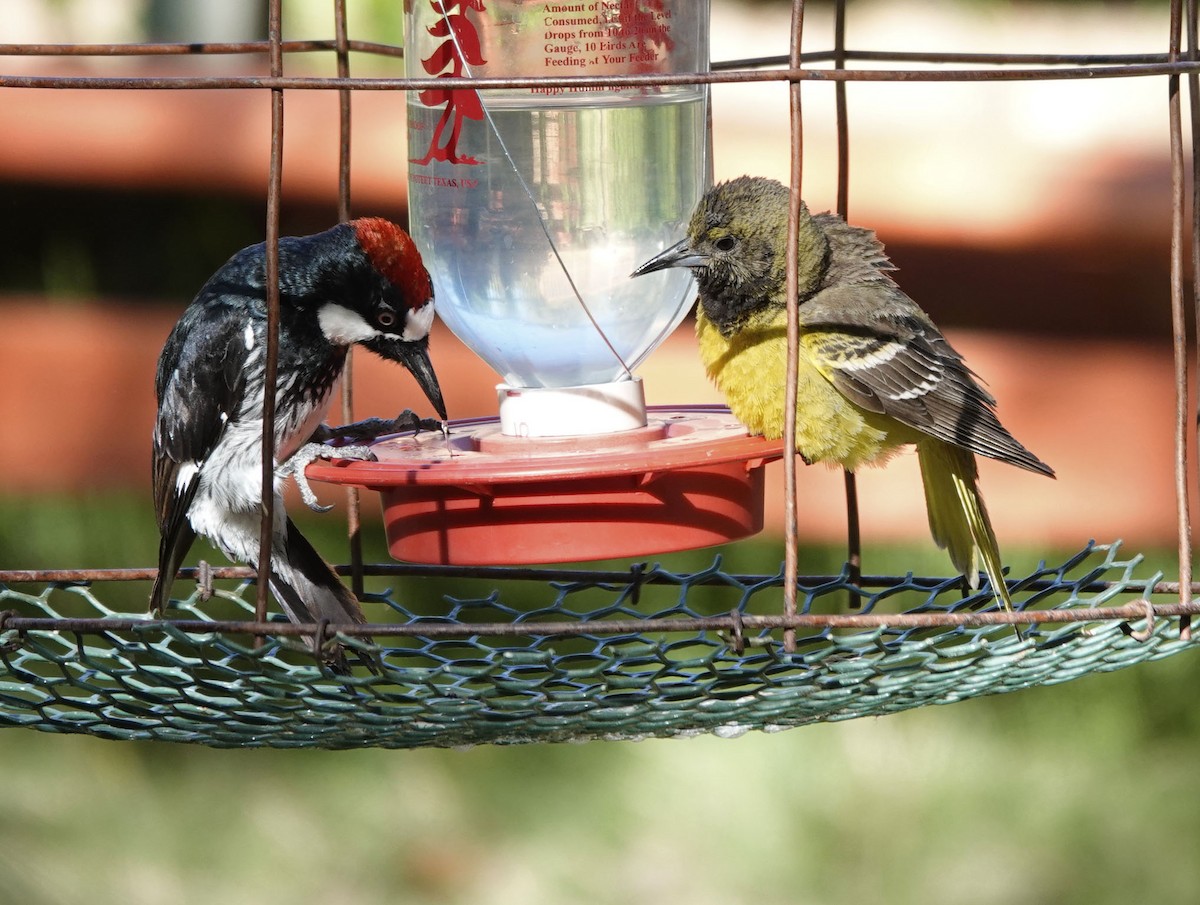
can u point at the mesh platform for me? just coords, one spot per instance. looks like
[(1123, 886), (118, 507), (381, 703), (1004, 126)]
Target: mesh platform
[(647, 653)]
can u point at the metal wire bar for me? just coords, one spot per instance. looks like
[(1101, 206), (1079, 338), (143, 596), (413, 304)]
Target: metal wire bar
[(792, 74), (843, 123), (1032, 59), (1136, 610), (353, 501), (791, 524), (186, 48), (271, 373), (1193, 48), (853, 529), (344, 101), (543, 575), (916, 56), (1178, 318)]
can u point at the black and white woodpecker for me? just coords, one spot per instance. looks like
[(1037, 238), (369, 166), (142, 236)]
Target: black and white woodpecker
[(360, 282)]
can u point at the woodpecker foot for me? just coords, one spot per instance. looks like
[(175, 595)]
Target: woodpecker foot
[(307, 453), (373, 428)]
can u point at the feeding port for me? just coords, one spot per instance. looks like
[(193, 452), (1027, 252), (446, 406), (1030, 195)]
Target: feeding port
[(532, 206)]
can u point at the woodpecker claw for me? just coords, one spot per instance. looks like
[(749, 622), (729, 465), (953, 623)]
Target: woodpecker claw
[(307, 453), (373, 428)]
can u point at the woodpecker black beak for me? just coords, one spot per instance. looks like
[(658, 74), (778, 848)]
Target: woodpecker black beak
[(678, 255), (413, 355)]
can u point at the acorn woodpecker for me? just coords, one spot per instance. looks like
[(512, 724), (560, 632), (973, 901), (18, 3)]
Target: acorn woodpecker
[(360, 282)]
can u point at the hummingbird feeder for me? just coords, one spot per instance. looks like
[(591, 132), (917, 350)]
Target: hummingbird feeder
[(532, 206)]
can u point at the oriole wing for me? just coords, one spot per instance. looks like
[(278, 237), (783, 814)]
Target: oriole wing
[(884, 355)]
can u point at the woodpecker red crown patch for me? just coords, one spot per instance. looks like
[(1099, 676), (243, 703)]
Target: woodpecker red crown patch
[(395, 256)]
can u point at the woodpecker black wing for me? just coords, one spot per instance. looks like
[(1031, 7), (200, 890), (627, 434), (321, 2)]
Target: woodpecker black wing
[(200, 387), (881, 352)]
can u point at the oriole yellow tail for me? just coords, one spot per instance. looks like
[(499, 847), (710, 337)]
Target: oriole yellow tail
[(958, 517)]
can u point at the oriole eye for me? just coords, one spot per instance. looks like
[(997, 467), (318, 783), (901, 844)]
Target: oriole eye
[(385, 318), (725, 243)]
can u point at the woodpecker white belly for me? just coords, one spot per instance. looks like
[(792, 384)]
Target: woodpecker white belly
[(228, 503)]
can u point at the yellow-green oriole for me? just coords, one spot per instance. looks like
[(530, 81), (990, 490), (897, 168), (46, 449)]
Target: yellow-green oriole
[(875, 373)]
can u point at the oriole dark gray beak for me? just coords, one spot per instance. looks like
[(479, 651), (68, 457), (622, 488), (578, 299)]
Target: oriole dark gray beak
[(414, 355), (678, 255)]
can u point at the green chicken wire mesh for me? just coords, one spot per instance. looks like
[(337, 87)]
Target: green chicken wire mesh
[(611, 656), (558, 656)]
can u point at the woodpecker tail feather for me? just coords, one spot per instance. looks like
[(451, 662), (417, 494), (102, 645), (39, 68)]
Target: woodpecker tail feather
[(958, 518), (309, 591), (172, 548)]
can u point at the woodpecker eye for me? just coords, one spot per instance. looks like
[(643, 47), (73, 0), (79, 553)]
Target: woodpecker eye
[(725, 243), (385, 318)]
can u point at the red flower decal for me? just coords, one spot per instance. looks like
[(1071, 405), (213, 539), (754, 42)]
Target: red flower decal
[(449, 59)]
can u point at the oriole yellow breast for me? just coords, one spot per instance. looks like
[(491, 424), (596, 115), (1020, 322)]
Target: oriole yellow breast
[(750, 369)]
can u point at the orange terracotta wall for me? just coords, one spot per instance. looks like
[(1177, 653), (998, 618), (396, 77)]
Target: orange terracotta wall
[(77, 408)]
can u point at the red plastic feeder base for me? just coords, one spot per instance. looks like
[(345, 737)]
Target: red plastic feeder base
[(691, 478)]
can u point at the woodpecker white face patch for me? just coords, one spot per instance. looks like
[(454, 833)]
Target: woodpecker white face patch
[(249, 334), (343, 327), (418, 323)]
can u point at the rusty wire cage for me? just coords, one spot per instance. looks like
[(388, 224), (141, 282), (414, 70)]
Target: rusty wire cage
[(568, 654)]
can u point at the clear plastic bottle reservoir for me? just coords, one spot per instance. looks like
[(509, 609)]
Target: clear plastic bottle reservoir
[(510, 190)]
